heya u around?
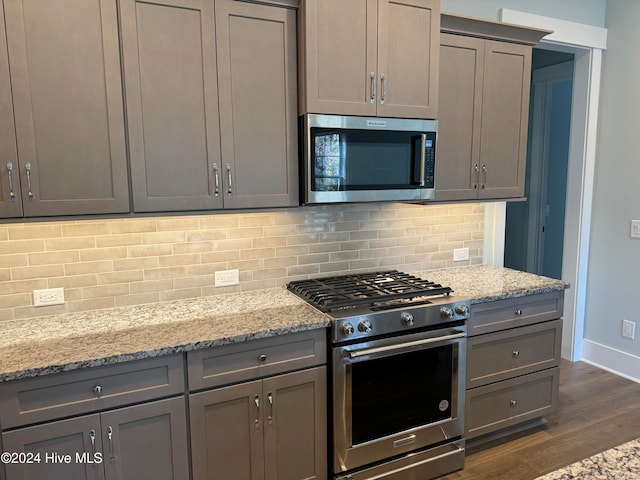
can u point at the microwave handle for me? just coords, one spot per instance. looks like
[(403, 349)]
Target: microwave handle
[(423, 146), (419, 143)]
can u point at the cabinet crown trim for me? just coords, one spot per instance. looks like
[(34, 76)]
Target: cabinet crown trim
[(477, 27)]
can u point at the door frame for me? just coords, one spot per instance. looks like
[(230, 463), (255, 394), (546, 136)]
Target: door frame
[(586, 42)]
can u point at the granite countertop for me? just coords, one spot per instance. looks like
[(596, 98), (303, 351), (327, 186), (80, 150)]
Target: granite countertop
[(43, 345)]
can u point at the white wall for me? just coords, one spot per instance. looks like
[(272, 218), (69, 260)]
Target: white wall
[(614, 258), (590, 12)]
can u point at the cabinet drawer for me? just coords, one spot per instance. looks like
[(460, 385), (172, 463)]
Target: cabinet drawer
[(510, 402), (258, 358), (502, 355), (515, 312), (59, 395)]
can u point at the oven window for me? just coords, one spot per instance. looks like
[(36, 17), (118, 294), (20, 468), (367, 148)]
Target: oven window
[(400, 392)]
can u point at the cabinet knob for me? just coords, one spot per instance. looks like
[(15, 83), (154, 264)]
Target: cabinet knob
[(97, 390), (518, 312), (516, 353), (513, 403), (262, 358)]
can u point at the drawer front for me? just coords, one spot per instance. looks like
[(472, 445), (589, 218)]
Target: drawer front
[(257, 358), (498, 356), (516, 312), (510, 402), (64, 394)]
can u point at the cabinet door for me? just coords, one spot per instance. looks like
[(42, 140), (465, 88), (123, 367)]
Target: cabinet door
[(66, 437), (226, 433), (505, 110), (459, 117), (408, 51), (10, 198), (67, 97), (256, 46), (295, 425), (340, 65), (148, 441), (169, 56)]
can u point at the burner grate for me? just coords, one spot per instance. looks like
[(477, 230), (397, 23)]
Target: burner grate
[(345, 291)]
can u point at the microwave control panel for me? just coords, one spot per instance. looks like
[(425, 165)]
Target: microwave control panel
[(430, 160)]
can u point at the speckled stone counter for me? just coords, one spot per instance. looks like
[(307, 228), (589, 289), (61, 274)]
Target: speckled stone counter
[(67, 342), (484, 283)]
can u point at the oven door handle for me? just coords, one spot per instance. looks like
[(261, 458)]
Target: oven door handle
[(402, 346)]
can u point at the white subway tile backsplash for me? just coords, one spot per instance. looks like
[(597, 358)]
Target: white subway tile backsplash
[(115, 262)]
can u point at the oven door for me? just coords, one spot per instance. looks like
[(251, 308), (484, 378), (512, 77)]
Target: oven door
[(396, 395)]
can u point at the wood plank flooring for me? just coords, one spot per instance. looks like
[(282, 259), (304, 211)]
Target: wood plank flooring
[(597, 411)]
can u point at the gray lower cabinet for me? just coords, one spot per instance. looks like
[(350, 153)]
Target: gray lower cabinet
[(211, 104), (88, 415), (147, 441), (62, 137), (513, 362), (271, 429), (258, 409)]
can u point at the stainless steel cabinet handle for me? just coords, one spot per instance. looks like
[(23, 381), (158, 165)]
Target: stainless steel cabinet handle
[(257, 420), (476, 171), (513, 403), (97, 390), (216, 179), (12, 196), (484, 173), (372, 76), (112, 457), (92, 436), (515, 353), (27, 167), (270, 398), (383, 80), (518, 312), (230, 179)]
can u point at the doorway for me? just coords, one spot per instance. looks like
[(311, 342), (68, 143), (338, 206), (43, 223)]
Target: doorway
[(534, 229)]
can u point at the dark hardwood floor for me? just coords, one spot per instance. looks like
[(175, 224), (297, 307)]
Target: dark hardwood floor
[(597, 411)]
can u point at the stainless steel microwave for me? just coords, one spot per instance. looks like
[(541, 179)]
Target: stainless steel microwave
[(367, 159)]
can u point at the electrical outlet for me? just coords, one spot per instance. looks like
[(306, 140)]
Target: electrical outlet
[(460, 254), (635, 228), (628, 329), (227, 278), (49, 296)]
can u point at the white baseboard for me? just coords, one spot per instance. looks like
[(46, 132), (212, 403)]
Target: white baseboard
[(612, 360)]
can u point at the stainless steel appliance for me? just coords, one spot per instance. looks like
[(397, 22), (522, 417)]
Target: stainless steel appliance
[(398, 353), (367, 159)]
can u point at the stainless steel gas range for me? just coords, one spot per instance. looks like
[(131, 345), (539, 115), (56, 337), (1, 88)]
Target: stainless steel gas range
[(397, 363)]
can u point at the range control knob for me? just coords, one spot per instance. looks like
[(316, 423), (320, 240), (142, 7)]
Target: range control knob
[(462, 310), (346, 329), (365, 326), (406, 319), (446, 312)]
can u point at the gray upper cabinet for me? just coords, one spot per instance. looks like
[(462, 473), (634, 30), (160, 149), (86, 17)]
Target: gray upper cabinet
[(256, 51), (211, 104), (484, 107), (376, 57), (65, 84), (10, 198), (168, 50)]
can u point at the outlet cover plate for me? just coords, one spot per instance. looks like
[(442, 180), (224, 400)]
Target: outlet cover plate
[(635, 228), (48, 296), (628, 329), (227, 278), (460, 254)]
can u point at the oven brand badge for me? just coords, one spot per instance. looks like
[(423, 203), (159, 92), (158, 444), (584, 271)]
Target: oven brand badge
[(444, 404), (376, 123)]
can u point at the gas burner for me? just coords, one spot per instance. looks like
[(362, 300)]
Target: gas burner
[(377, 290)]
